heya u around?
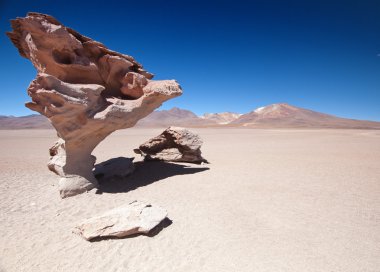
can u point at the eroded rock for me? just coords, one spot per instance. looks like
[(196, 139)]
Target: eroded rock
[(175, 144), (86, 90), (135, 217), (116, 167)]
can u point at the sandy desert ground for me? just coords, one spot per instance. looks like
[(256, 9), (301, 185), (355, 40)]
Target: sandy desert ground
[(271, 200)]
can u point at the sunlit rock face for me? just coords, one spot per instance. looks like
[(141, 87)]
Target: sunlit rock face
[(86, 90), (175, 144), (131, 219)]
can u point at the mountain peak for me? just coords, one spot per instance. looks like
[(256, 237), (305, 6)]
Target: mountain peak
[(181, 112), (222, 117), (285, 115), (274, 106), (175, 109)]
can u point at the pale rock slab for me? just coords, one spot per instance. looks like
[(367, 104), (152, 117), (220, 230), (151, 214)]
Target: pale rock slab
[(175, 144), (86, 90), (135, 217)]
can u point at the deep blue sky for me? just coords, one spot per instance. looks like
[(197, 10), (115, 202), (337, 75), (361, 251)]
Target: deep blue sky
[(227, 55)]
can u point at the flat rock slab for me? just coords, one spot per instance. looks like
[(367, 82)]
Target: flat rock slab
[(133, 218)]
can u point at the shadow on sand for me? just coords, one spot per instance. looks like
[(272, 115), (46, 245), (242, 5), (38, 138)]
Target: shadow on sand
[(146, 173)]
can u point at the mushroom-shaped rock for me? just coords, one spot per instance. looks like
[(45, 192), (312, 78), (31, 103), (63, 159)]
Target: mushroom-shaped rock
[(86, 90), (175, 144), (135, 217)]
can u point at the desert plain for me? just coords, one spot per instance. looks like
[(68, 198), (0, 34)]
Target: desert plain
[(270, 200)]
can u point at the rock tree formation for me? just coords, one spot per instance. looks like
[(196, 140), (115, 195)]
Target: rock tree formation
[(86, 90), (174, 144)]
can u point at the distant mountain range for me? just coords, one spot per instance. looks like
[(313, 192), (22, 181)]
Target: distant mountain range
[(280, 115), (286, 116), (221, 118), (34, 121)]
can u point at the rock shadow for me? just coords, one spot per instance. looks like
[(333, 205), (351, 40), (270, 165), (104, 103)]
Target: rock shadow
[(146, 173), (155, 231)]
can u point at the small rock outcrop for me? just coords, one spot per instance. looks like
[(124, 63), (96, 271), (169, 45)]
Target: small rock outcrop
[(175, 144), (135, 217), (86, 90), (116, 167)]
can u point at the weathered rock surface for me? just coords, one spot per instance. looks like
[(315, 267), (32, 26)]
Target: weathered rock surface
[(175, 144), (116, 167), (86, 90), (135, 217)]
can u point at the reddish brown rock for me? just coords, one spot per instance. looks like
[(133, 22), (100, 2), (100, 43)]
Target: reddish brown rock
[(175, 144), (86, 90), (133, 84)]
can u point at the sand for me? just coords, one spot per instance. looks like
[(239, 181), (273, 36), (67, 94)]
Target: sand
[(271, 200)]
